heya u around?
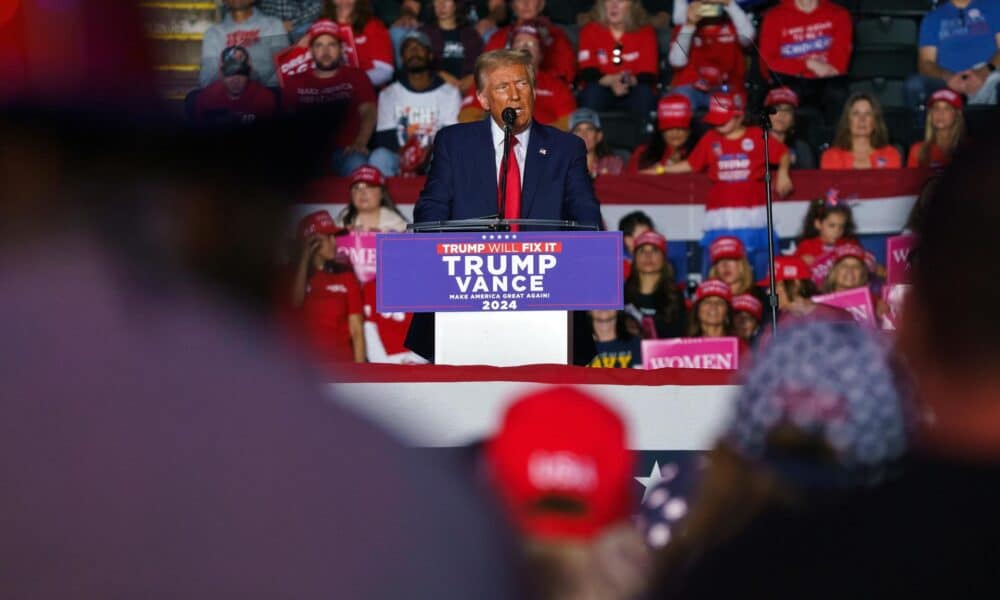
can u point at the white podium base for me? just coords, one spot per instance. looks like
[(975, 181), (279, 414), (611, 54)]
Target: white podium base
[(503, 339)]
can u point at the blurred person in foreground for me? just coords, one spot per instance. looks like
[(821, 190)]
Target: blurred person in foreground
[(567, 490), (155, 441), (931, 529)]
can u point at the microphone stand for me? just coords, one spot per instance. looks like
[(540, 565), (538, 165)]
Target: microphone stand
[(765, 123), (501, 224)]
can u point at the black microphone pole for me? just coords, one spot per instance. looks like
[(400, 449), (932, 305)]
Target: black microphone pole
[(509, 115), (765, 123)]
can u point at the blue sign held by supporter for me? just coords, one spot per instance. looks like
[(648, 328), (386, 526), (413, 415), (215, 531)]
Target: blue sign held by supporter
[(484, 272)]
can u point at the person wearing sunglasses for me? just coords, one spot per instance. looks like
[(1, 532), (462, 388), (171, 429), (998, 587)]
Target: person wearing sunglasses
[(618, 59)]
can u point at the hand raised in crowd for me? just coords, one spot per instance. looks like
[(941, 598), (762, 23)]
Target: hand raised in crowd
[(309, 247), (820, 68), (694, 12), (783, 184)]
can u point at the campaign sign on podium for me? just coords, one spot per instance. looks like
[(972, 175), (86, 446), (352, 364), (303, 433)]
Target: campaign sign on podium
[(499, 272)]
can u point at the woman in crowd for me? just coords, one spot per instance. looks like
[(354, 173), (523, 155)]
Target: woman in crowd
[(849, 269), (733, 155), (707, 49), (326, 293), (794, 287), (371, 38), (586, 124), (455, 42), (650, 287), (371, 208), (560, 60), (672, 141), (828, 223), (862, 138), (748, 312), (943, 132), (786, 101), (618, 59), (632, 226), (730, 265), (711, 314), (616, 346)]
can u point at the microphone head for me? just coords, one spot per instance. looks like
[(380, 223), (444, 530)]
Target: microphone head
[(509, 115)]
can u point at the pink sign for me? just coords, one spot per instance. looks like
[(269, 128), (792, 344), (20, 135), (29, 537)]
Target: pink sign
[(691, 353), (897, 253), (893, 296), (360, 249), (858, 302), (821, 267)]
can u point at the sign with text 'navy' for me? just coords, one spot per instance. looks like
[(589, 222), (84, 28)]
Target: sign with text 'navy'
[(472, 272)]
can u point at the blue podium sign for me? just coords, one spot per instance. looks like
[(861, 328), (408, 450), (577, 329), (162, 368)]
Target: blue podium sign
[(475, 272)]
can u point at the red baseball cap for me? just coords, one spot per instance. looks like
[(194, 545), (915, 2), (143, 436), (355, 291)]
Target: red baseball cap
[(726, 246), (570, 480), (318, 223), (673, 112), (721, 109), (946, 95), (749, 304), (782, 95), (854, 251), (787, 268), (713, 287), (323, 27), (367, 174), (651, 237)]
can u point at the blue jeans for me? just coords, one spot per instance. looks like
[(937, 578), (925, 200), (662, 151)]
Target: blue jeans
[(639, 101), (916, 90), (699, 99), (385, 160), (344, 164)]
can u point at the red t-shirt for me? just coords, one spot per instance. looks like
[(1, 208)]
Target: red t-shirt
[(373, 44), (713, 48), (667, 158), (886, 157), (343, 94), (788, 37), (936, 159), (559, 58), (553, 99), (639, 53), (815, 247), (736, 167), (255, 101), (392, 327), (330, 299)]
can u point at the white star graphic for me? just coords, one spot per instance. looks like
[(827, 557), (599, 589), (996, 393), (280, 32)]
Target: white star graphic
[(648, 483)]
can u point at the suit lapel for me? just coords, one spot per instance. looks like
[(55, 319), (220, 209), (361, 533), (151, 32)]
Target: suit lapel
[(534, 166), (486, 166)]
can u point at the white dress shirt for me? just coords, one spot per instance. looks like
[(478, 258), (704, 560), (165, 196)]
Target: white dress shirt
[(520, 150)]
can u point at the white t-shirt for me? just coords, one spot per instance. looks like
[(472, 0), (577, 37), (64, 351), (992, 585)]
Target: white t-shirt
[(419, 114)]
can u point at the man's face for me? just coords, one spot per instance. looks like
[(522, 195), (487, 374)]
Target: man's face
[(325, 51), (416, 56), (238, 4), (235, 84), (530, 44), (509, 86), (527, 9)]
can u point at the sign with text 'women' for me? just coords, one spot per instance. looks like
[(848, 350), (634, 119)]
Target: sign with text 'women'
[(691, 353), (474, 272)]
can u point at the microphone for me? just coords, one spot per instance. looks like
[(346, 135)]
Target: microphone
[(509, 115)]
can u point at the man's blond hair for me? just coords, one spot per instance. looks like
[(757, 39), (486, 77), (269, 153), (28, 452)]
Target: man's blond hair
[(488, 61)]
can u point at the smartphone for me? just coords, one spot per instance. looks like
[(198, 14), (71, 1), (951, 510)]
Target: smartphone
[(709, 11)]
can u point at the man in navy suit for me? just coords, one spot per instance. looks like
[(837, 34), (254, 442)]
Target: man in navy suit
[(548, 180)]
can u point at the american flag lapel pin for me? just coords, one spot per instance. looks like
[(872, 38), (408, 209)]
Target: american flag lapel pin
[(543, 151)]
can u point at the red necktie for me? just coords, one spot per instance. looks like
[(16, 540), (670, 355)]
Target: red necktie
[(513, 206)]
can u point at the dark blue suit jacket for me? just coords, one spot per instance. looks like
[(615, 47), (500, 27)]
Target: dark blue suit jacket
[(462, 183)]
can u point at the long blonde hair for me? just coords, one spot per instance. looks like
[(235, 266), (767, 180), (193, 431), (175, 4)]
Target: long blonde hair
[(957, 133), (634, 19), (746, 276), (830, 283)]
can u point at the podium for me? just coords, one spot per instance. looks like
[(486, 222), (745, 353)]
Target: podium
[(501, 292)]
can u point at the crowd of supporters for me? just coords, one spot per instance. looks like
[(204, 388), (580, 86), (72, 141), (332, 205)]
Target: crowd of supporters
[(385, 78)]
